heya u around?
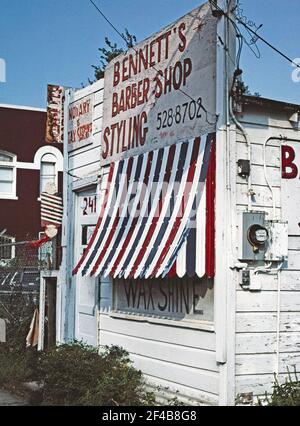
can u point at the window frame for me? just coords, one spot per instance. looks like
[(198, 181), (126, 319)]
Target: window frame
[(55, 169), (10, 165), (10, 240)]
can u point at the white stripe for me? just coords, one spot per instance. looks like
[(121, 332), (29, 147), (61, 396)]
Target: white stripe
[(181, 261), (55, 209), (50, 204), (132, 215), (185, 219), (50, 197), (122, 215), (142, 213), (201, 236), (166, 204), (159, 185), (122, 184), (176, 208), (47, 213), (106, 210), (52, 208)]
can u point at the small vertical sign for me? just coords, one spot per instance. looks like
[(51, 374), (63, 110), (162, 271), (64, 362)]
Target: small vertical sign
[(55, 114), (80, 121)]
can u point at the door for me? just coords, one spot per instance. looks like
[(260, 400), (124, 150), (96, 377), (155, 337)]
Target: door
[(50, 311), (86, 287)]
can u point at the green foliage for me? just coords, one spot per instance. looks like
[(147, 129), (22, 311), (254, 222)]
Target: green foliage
[(111, 51), (77, 375), (17, 309), (245, 89), (17, 366), (286, 395)]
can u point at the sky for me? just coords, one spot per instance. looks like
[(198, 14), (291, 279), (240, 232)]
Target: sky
[(56, 42)]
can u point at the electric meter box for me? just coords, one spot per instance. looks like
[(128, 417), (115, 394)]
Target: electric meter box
[(278, 244), (248, 249)]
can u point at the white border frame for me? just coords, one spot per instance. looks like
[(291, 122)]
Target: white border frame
[(36, 165), (12, 166)]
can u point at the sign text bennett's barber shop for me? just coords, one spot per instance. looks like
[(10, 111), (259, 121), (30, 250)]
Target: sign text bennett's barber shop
[(162, 90)]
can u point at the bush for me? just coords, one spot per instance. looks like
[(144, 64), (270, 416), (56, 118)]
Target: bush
[(16, 366), (18, 309), (77, 375), (284, 395)]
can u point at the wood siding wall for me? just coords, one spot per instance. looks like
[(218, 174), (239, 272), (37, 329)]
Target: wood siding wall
[(180, 359), (80, 320), (256, 313), (84, 161)]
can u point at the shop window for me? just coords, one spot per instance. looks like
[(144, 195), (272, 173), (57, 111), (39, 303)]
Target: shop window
[(186, 299), (86, 235), (7, 175)]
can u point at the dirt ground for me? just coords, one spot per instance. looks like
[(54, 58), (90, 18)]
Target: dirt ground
[(7, 399)]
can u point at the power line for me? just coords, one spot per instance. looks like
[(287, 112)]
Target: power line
[(269, 44), (241, 38), (136, 51), (110, 23), (240, 21), (74, 176), (21, 243)]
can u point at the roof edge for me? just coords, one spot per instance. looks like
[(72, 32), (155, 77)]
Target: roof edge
[(271, 103), (23, 108)]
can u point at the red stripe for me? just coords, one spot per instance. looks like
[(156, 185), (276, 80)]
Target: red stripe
[(39, 243), (111, 172), (178, 220), (156, 215), (173, 271), (135, 220), (210, 214), (115, 224)]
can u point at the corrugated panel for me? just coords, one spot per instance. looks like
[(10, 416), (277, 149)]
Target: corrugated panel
[(157, 216)]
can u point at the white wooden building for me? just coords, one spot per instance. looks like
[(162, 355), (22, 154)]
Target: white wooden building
[(220, 335)]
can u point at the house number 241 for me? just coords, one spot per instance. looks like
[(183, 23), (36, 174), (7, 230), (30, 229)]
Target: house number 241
[(90, 205)]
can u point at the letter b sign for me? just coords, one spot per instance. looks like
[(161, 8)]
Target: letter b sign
[(289, 168)]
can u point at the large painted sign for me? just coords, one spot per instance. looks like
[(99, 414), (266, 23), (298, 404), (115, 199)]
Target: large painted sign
[(163, 90), (80, 120), (291, 186)]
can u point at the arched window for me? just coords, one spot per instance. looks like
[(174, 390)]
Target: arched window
[(8, 175), (48, 171)]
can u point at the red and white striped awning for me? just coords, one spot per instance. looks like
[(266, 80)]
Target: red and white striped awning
[(157, 215)]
